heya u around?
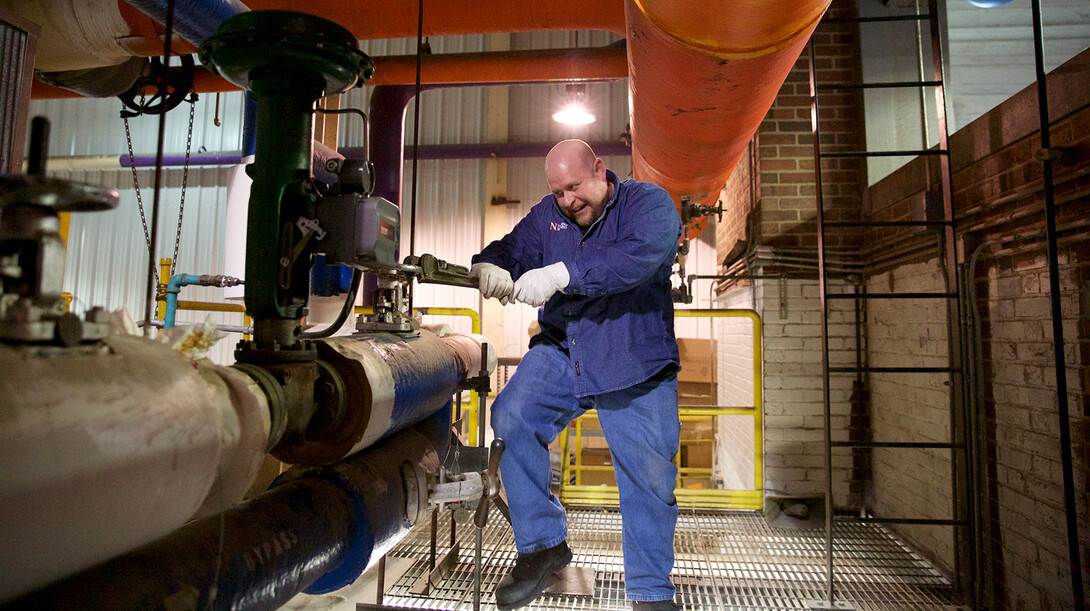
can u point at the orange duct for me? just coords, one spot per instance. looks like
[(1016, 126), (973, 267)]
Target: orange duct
[(399, 19), (702, 76)]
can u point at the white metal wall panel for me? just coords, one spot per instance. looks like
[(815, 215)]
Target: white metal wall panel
[(107, 251), (449, 203), (88, 126)]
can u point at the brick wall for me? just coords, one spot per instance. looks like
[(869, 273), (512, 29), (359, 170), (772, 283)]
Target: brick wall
[(999, 206), (1022, 421), (911, 483), (794, 463), (734, 340)]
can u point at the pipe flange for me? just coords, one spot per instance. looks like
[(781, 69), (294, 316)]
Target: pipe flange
[(274, 392), (332, 403)]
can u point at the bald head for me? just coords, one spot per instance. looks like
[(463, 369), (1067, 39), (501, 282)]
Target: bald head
[(570, 153), (578, 181)]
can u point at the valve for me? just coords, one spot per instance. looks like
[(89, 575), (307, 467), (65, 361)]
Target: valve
[(457, 486), (32, 308)]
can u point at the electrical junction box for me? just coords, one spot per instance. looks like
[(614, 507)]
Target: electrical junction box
[(360, 231)]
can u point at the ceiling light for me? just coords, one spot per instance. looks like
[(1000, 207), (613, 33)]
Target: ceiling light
[(573, 110)]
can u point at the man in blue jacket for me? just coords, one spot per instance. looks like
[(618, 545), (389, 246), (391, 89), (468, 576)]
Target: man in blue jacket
[(597, 253)]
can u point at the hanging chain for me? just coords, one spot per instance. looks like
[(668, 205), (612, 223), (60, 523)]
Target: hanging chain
[(185, 179), (136, 179)]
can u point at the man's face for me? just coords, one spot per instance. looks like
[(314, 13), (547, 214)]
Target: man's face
[(580, 191)]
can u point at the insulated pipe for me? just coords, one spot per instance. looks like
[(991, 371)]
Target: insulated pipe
[(318, 527), (194, 20), (110, 446), (391, 381), (702, 76)]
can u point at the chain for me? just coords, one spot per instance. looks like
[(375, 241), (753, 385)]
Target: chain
[(185, 179), (136, 182)]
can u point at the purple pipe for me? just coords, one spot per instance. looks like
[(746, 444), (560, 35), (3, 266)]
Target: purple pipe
[(388, 105), (177, 160), (489, 150), (501, 150)]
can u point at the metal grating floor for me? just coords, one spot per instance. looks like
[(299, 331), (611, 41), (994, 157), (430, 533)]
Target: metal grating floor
[(724, 560)]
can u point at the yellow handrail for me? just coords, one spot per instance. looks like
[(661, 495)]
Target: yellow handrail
[(722, 499)]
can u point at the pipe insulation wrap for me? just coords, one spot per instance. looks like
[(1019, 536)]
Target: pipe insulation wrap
[(106, 447), (391, 380), (318, 522), (75, 34), (194, 20)]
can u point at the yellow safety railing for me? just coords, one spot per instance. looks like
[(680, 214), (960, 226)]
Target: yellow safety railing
[(579, 494)]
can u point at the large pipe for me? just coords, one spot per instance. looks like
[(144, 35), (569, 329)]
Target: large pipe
[(318, 528), (702, 76), (390, 382), (108, 447)]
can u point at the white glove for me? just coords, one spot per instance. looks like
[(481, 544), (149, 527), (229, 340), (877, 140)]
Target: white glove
[(536, 286), (493, 280)]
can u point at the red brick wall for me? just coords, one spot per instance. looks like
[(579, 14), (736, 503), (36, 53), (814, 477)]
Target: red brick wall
[(998, 202)]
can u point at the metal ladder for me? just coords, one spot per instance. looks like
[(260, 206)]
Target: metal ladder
[(941, 223)]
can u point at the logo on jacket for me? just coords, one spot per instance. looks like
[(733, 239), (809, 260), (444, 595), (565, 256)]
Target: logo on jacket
[(558, 226)]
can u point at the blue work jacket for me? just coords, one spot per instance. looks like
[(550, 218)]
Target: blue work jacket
[(615, 318)]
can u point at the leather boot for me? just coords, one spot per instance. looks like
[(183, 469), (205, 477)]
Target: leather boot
[(531, 575)]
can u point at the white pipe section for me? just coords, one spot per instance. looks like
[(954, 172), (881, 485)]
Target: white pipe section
[(110, 446)]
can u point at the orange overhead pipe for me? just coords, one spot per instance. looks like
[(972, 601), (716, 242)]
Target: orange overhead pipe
[(453, 68), (504, 66), (702, 76), (398, 18)]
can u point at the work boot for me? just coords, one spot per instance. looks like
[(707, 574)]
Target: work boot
[(655, 605), (531, 575)]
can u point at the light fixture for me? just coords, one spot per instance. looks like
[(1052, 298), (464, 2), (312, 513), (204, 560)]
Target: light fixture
[(574, 108)]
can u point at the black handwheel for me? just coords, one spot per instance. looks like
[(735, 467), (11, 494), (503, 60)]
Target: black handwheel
[(161, 90)]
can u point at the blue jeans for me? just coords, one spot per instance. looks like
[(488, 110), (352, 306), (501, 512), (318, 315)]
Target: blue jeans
[(642, 429)]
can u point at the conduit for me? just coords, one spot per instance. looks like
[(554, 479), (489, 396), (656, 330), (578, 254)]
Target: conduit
[(702, 76)]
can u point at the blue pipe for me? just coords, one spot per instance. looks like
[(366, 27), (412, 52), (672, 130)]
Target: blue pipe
[(194, 20), (174, 286)]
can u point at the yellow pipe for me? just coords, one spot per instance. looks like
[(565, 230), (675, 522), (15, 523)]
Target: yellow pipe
[(160, 296), (722, 499), (211, 306)]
